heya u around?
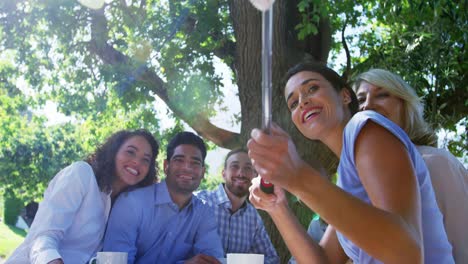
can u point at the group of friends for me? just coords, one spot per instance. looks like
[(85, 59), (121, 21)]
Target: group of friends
[(113, 201), (398, 198)]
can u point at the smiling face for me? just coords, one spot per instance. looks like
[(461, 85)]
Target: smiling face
[(238, 174), (185, 169), (132, 162), (316, 107), (371, 97)]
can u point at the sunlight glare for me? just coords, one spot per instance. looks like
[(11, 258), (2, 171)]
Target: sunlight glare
[(92, 4)]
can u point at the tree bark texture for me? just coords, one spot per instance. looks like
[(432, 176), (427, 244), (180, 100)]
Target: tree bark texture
[(287, 51)]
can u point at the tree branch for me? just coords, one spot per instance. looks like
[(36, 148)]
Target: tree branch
[(143, 75), (347, 71), (225, 51), (217, 135)]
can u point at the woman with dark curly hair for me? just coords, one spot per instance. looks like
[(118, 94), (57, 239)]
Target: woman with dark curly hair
[(70, 223)]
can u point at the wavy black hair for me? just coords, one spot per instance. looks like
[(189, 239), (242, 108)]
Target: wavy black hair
[(103, 159), (187, 138)]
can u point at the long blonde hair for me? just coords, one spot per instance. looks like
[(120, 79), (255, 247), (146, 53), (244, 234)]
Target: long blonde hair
[(414, 124)]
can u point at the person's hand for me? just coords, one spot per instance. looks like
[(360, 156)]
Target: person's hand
[(56, 261), (274, 156), (267, 202), (202, 259)]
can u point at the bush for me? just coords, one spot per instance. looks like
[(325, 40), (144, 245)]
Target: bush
[(11, 209)]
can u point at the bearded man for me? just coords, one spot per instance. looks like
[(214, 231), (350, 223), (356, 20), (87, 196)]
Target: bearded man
[(239, 225)]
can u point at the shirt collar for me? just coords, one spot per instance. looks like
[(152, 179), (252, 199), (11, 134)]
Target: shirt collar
[(222, 198), (162, 196), (221, 195), (161, 193)]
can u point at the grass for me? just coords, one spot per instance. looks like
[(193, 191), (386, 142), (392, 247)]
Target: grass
[(11, 237)]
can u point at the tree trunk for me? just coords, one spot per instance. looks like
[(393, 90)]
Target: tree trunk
[(287, 50)]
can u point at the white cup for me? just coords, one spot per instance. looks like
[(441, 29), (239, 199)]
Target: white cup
[(241, 258), (110, 258)]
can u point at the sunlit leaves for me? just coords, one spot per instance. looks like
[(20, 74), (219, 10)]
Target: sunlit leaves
[(54, 56), (423, 42), (49, 49), (311, 11), (29, 152), (420, 40)]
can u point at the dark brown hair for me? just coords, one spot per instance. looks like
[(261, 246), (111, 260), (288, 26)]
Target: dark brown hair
[(330, 75), (103, 159), (186, 138), (232, 152)]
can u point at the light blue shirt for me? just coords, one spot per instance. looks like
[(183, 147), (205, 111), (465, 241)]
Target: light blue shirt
[(437, 249), (242, 231), (147, 225)]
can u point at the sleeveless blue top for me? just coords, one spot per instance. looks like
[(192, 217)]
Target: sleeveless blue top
[(437, 249)]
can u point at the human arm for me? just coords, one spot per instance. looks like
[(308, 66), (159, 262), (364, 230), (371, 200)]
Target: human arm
[(393, 218), (315, 230), (261, 243), (56, 214), (123, 228), (299, 243)]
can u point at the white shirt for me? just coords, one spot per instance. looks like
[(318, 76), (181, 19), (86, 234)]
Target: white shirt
[(70, 221), (450, 181)]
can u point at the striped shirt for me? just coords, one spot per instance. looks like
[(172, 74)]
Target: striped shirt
[(242, 231)]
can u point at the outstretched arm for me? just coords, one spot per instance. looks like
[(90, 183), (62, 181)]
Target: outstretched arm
[(299, 243), (390, 224), (62, 201), (262, 243)]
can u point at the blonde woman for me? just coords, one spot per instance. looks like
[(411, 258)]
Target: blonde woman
[(389, 95)]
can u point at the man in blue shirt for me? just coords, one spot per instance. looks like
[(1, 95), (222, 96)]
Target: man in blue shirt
[(165, 222), (239, 224)]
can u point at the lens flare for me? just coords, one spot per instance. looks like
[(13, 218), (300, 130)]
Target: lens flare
[(92, 4)]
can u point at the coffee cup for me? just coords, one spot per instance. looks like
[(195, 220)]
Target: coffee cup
[(242, 258), (110, 258)]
